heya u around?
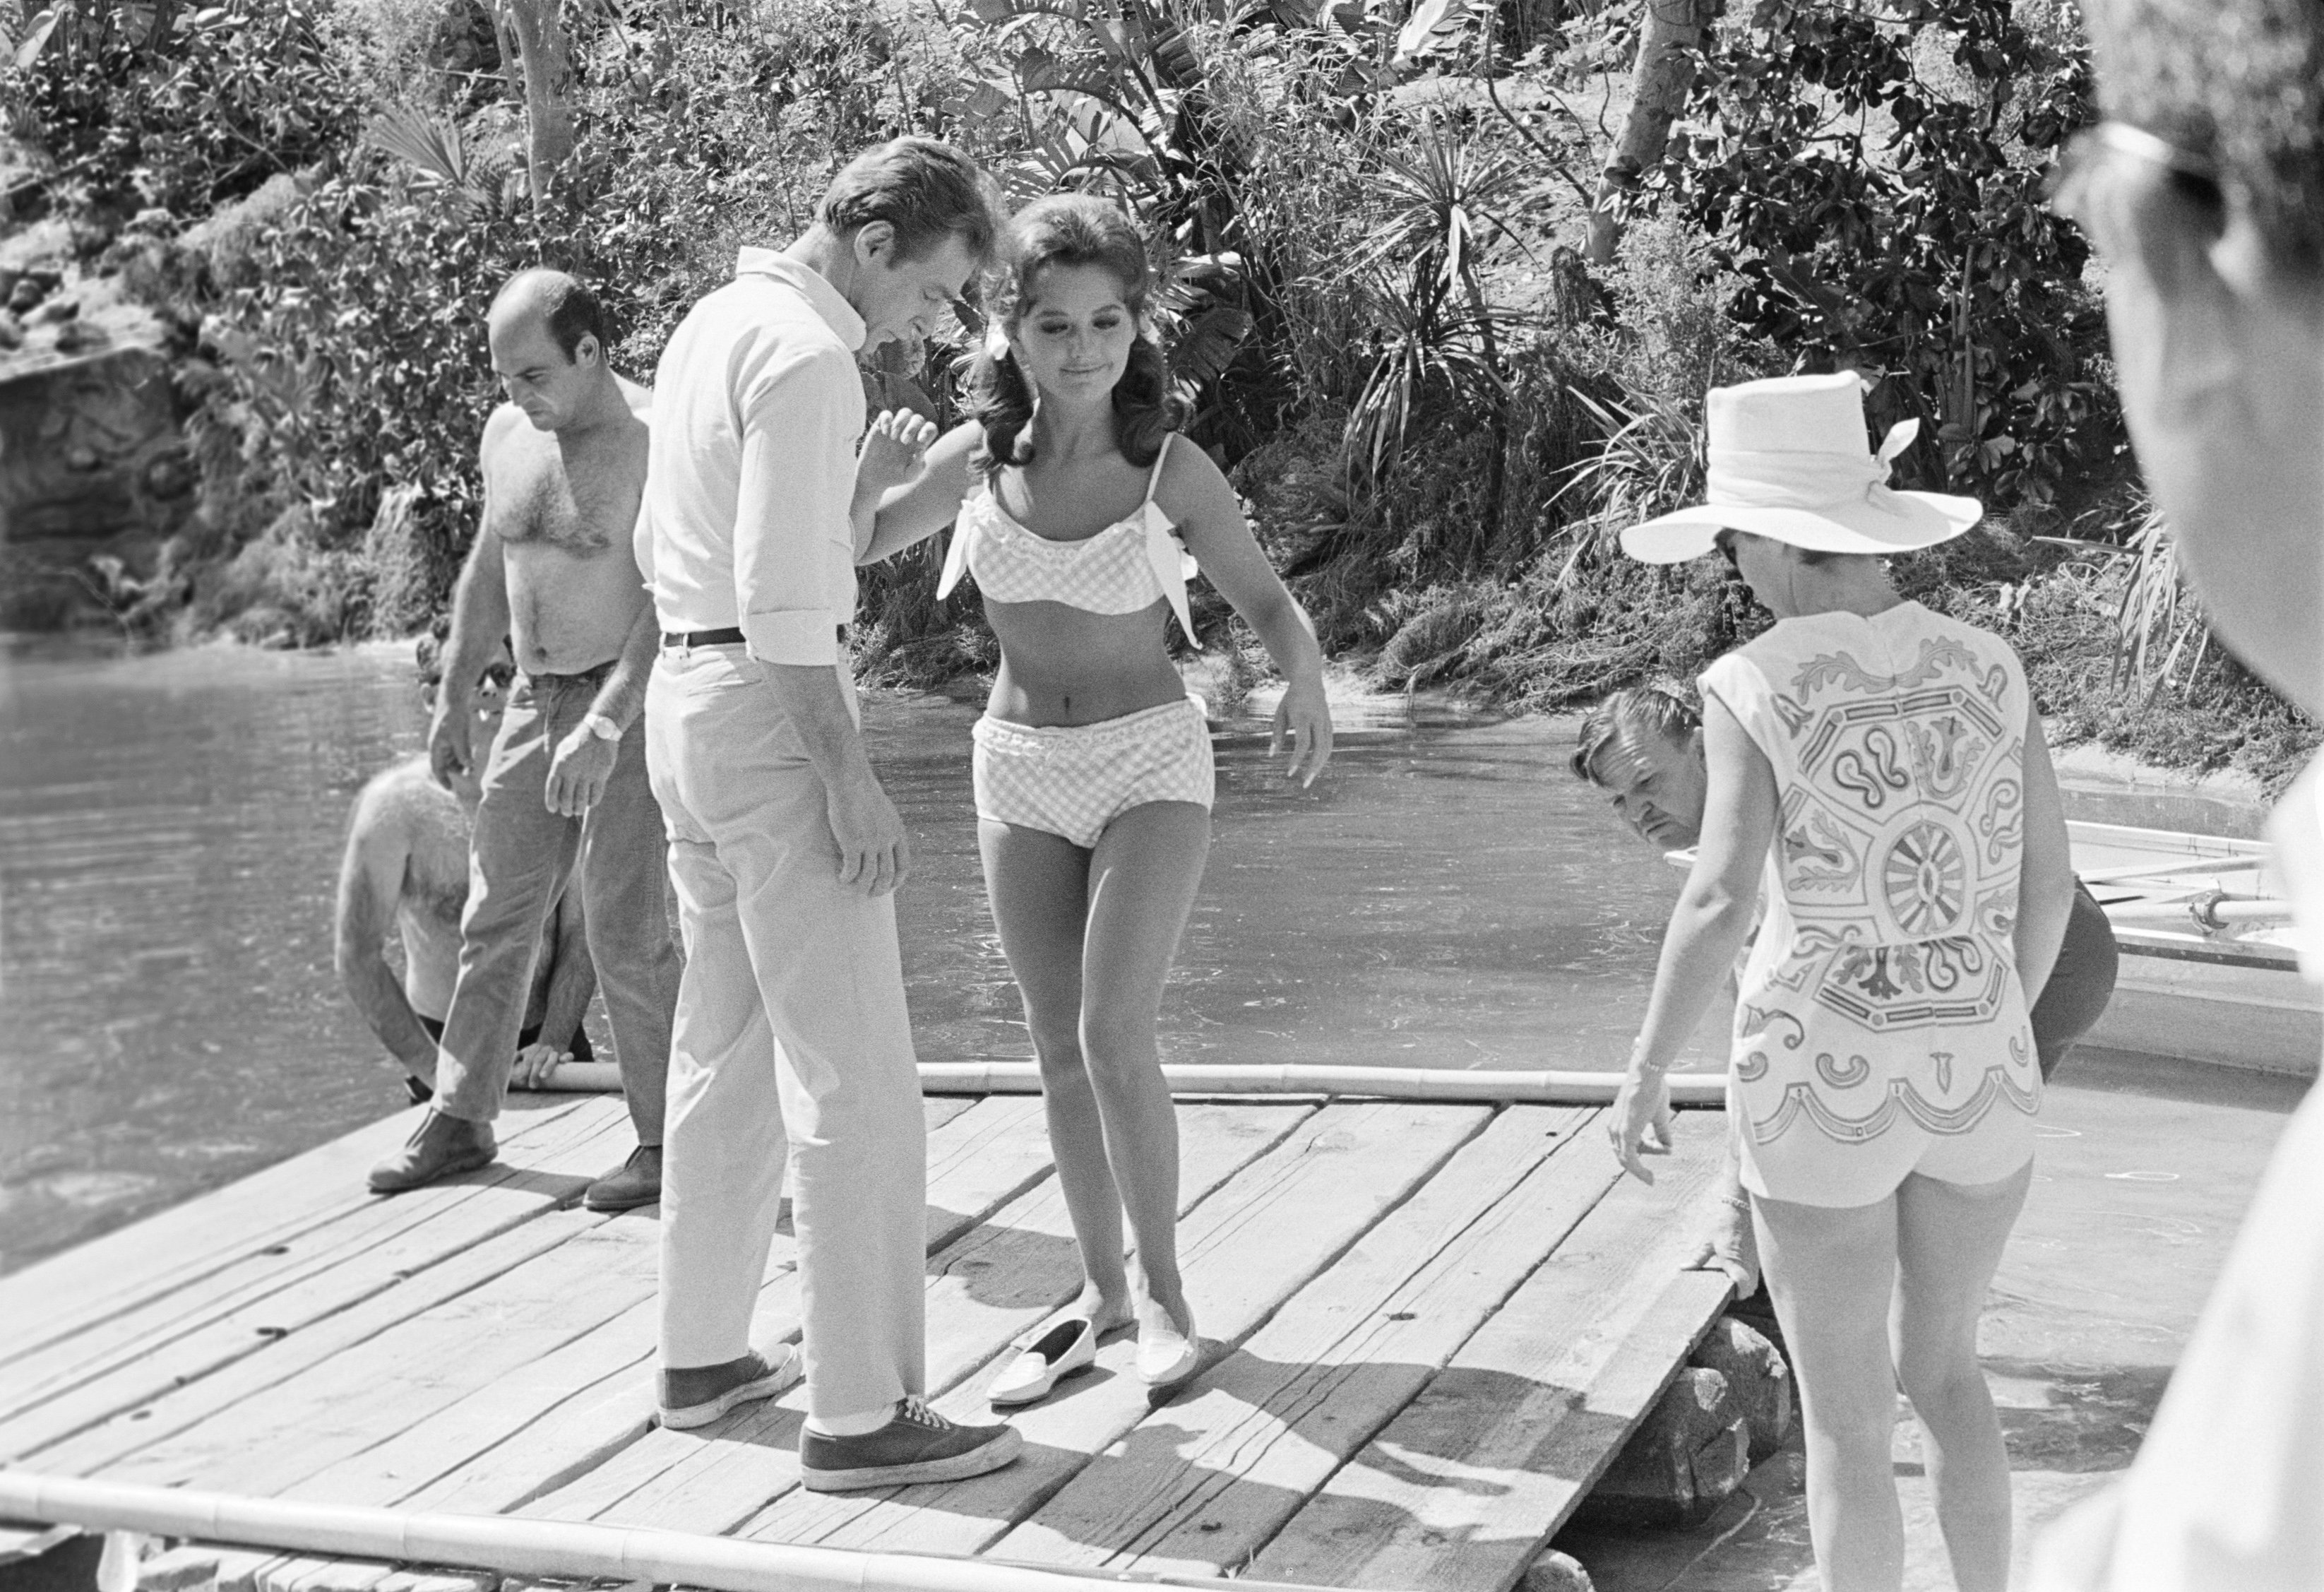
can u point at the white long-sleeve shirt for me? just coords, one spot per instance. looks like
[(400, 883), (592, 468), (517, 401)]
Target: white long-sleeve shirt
[(757, 410)]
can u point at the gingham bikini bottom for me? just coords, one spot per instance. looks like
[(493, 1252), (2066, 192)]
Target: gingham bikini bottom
[(1073, 779)]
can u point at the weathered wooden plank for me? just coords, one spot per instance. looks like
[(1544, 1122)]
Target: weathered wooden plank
[(205, 1397), (1244, 1251), (995, 1281), (305, 1574), (64, 1296), (1464, 1486), (239, 1568), (557, 1419), (940, 1109), (240, 1309), (369, 1391), (188, 1408), (1200, 1485)]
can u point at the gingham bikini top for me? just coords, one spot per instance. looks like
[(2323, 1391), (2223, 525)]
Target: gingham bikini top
[(1120, 570)]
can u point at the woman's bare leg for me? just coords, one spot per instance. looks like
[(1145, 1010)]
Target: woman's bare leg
[(1830, 1271), (1949, 1242), (1142, 880), (1039, 884)]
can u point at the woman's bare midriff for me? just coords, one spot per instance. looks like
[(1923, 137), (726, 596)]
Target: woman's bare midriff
[(1062, 665)]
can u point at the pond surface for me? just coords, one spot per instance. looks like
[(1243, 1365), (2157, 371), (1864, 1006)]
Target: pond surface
[(170, 828)]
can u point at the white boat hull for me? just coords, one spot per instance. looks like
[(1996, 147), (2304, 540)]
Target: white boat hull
[(2230, 996)]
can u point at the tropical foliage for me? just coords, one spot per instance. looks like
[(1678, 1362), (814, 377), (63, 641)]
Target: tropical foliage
[(1392, 289)]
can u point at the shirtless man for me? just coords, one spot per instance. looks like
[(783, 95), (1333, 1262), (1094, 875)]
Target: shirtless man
[(406, 870), (564, 464)]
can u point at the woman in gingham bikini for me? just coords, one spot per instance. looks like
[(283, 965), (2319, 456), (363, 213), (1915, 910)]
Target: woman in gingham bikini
[(1083, 514)]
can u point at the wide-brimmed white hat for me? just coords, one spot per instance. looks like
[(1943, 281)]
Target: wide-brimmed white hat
[(1788, 459)]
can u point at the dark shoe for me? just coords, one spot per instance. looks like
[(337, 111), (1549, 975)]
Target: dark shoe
[(917, 1446), (420, 1092), (755, 1380), (636, 1181), (439, 1147)]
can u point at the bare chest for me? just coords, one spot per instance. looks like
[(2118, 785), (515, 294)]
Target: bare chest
[(581, 501)]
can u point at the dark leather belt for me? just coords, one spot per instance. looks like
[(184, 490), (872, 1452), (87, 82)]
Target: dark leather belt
[(730, 637)]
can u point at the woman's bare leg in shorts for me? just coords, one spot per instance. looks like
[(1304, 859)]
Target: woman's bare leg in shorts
[(1949, 1242), (1038, 886), (1143, 876), (1830, 1271), (1089, 935)]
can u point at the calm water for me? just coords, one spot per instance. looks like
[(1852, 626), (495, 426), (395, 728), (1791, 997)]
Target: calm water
[(169, 829)]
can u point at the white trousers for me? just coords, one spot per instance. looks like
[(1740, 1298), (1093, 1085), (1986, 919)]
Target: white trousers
[(791, 1023)]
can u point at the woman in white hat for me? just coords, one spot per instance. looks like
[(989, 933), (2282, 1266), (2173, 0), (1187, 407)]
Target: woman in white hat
[(1882, 766)]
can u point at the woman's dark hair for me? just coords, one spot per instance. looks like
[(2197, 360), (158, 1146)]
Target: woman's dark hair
[(1073, 229)]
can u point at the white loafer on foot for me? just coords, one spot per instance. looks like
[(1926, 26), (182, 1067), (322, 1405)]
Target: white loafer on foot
[(1065, 1350), (1167, 1356)]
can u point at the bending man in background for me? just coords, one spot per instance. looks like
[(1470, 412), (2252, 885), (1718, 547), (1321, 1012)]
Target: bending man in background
[(565, 785), (406, 870), (1643, 745)]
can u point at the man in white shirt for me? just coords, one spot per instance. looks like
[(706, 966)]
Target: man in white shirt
[(784, 850), (2205, 193)]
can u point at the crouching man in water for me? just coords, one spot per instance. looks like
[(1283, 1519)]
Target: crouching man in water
[(1643, 745), (406, 870), (564, 465)]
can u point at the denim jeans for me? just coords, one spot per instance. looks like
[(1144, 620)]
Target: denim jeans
[(518, 862), (792, 1033)]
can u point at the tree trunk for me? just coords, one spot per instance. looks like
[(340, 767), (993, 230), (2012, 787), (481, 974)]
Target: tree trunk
[(1660, 82), (548, 60)]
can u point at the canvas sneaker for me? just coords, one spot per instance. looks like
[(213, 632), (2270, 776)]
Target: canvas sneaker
[(917, 1446)]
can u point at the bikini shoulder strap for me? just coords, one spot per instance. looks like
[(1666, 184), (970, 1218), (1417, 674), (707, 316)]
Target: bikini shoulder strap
[(1160, 453)]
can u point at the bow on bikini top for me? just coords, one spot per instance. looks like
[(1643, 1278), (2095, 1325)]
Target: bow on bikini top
[(1120, 570)]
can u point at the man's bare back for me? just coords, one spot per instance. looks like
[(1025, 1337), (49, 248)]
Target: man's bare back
[(407, 861), (562, 509)]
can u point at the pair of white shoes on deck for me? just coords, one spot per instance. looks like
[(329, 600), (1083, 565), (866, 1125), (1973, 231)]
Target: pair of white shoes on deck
[(1165, 1357)]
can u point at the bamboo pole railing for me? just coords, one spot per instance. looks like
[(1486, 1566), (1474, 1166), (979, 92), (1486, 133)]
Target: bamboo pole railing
[(509, 1545), (1390, 1083)]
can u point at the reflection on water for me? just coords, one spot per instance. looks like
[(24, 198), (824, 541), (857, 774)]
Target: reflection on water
[(170, 828)]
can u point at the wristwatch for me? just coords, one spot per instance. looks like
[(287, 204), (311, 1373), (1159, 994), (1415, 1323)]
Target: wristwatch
[(601, 726)]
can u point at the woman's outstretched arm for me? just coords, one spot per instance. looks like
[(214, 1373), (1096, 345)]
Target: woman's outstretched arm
[(1196, 496), (926, 504), (1707, 926)]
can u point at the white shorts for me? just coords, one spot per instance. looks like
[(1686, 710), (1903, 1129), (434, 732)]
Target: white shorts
[(1073, 779)]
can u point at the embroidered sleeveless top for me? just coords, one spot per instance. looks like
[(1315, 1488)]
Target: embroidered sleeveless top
[(1880, 1003), (1121, 570)]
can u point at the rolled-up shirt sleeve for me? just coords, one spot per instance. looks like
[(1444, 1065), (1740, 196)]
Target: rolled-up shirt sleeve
[(798, 474)]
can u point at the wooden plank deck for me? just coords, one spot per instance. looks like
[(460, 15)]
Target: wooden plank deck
[(1429, 1328)]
